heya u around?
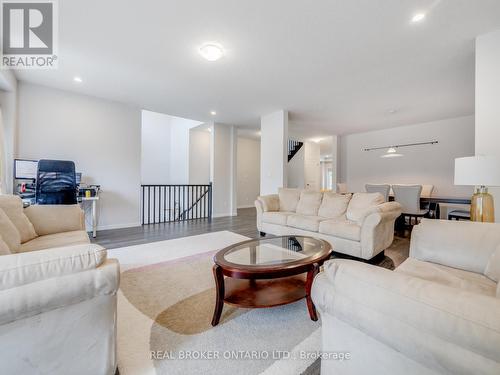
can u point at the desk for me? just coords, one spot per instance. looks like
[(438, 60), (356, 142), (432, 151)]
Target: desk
[(94, 201)]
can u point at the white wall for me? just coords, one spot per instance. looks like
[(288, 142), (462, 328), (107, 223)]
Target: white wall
[(165, 148), (273, 152), (295, 170), (223, 169), (8, 105), (312, 168), (102, 138), (304, 170), (248, 171), (429, 164), (155, 148), (199, 156), (487, 101)]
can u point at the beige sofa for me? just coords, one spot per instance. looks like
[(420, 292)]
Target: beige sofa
[(438, 313), (359, 225), (57, 293)]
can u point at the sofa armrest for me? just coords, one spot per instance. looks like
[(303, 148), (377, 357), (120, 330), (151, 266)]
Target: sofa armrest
[(269, 202), (377, 229), (50, 294), (50, 219), (464, 245), (438, 326), (25, 268)]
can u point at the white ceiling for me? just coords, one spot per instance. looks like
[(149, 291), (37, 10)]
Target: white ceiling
[(338, 66)]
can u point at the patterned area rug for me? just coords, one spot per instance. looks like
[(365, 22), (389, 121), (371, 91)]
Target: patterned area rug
[(165, 306)]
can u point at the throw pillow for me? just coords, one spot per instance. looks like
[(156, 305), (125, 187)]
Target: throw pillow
[(309, 203), (363, 204), (9, 232), (289, 198), (334, 205), (13, 207)]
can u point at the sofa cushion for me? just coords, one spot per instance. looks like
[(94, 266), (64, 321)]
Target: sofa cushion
[(310, 223), (21, 269), (309, 203), (453, 277), (13, 207), (4, 248), (361, 204), (9, 232), (289, 198), (279, 218), (333, 204), (493, 267), (50, 219), (342, 229), (76, 237)]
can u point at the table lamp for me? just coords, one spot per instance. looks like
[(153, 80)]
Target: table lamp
[(479, 171)]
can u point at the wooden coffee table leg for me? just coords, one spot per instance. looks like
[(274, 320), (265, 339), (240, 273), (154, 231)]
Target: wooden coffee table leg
[(219, 299), (310, 277)]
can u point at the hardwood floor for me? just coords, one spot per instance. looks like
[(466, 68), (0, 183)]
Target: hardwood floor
[(243, 224)]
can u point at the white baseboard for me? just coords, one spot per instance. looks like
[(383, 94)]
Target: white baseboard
[(249, 206), (224, 215), (118, 226)]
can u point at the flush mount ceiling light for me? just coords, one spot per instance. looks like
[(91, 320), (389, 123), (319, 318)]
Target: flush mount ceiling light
[(213, 113), (211, 51), (419, 17), (77, 79)]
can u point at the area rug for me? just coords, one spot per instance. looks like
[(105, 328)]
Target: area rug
[(165, 305)]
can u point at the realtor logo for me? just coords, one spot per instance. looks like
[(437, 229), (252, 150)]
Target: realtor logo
[(29, 34)]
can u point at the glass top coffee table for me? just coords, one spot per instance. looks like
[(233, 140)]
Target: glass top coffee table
[(268, 272)]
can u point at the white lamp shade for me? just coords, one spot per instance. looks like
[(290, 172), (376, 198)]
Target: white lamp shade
[(477, 171)]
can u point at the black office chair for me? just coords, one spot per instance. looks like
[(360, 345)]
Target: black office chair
[(56, 182)]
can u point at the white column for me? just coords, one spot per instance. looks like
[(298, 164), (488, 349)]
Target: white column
[(273, 152), (223, 169), (487, 105)]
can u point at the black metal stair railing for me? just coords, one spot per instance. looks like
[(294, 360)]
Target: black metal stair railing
[(293, 148), (170, 203)]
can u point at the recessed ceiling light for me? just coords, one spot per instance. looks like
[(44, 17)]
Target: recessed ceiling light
[(213, 113), (77, 79), (392, 111), (418, 17), (211, 51)]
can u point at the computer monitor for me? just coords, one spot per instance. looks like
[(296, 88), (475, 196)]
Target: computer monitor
[(25, 169)]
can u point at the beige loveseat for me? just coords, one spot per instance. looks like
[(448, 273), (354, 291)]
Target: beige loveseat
[(57, 293), (359, 225), (437, 313)]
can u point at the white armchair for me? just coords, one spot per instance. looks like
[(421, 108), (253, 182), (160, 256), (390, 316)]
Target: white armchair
[(58, 311), (438, 313), (57, 293)]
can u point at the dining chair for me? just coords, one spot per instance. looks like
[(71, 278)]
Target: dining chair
[(408, 196), (342, 188), (427, 193), (379, 188)]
